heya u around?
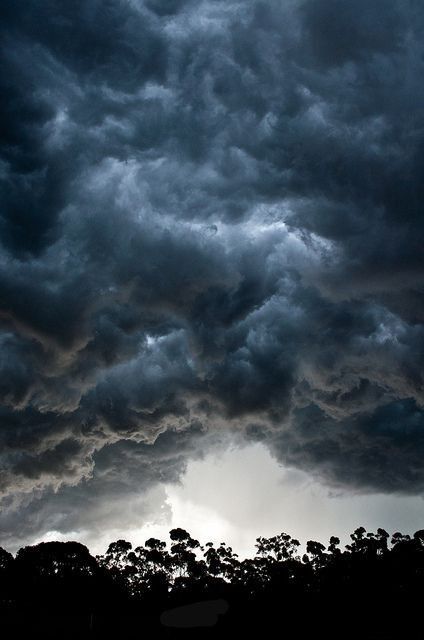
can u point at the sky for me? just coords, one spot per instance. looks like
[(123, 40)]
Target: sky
[(211, 268)]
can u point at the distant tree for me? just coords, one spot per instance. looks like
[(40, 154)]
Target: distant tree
[(221, 562), (7, 591), (59, 575), (333, 546), (183, 557), (316, 551), (116, 556), (56, 559), (6, 560), (279, 547), (398, 538), (370, 544), (152, 568)]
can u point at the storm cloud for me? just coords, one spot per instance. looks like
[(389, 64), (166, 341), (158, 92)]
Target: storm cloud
[(211, 223)]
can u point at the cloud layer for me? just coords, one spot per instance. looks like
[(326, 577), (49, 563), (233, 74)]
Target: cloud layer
[(211, 223)]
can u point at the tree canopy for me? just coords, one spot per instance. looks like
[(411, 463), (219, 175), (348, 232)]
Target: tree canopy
[(60, 583)]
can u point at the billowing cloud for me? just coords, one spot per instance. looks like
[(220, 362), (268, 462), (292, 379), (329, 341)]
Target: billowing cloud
[(211, 222)]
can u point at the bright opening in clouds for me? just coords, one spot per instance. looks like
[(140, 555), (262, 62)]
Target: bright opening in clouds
[(211, 267), (243, 493)]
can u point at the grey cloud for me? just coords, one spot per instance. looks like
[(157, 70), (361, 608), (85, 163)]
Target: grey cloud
[(211, 216), (339, 31), (383, 448), (119, 491)]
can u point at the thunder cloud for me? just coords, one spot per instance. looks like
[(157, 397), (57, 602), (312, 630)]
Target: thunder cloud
[(211, 223)]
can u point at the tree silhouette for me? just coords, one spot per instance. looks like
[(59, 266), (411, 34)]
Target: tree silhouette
[(129, 588)]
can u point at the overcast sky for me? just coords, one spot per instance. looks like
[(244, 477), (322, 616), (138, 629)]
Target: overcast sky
[(211, 267)]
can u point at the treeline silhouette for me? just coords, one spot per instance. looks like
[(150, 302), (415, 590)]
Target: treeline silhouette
[(371, 588)]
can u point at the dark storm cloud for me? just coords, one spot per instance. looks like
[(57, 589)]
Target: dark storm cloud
[(119, 493), (367, 445), (211, 215)]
